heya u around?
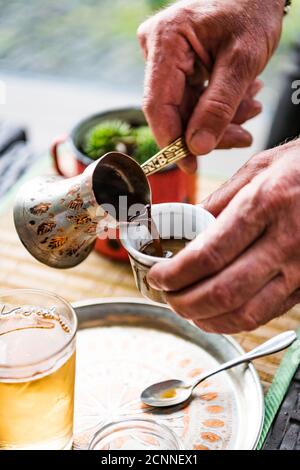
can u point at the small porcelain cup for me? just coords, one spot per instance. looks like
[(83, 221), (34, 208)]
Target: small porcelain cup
[(173, 220)]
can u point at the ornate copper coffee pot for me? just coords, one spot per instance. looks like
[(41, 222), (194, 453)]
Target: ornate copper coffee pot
[(58, 219)]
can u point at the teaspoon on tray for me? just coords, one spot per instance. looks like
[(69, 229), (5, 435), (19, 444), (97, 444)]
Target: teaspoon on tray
[(173, 392)]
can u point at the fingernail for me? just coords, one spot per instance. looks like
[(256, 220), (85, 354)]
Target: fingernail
[(257, 105), (240, 135), (202, 142)]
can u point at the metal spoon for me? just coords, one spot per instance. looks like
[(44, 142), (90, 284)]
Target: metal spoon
[(174, 392)]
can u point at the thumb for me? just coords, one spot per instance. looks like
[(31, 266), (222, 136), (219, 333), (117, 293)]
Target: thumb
[(217, 105)]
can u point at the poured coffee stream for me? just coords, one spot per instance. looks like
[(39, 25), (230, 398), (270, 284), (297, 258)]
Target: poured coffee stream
[(146, 219), (112, 189), (158, 247)]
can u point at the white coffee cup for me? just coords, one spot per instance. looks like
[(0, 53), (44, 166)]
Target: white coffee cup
[(173, 220)]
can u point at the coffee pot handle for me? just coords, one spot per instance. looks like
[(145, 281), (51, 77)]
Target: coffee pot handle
[(54, 153)]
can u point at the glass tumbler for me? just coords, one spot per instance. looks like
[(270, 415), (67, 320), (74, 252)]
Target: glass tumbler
[(135, 434), (37, 370)]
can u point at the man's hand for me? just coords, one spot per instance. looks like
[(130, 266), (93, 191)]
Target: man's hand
[(225, 42), (219, 199), (245, 269)]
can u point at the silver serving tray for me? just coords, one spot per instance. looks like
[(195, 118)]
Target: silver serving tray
[(123, 345)]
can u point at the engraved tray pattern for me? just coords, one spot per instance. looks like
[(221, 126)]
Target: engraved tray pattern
[(128, 351)]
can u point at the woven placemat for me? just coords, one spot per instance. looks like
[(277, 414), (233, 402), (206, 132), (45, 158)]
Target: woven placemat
[(100, 277)]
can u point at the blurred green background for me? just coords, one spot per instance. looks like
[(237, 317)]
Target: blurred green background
[(62, 60), (292, 24), (82, 39), (91, 40)]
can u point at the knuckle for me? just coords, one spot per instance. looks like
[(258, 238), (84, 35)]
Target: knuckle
[(212, 259), (219, 109), (245, 320), (141, 32), (273, 193), (163, 23), (165, 36), (223, 297), (253, 214), (146, 27), (239, 51), (149, 105), (258, 163)]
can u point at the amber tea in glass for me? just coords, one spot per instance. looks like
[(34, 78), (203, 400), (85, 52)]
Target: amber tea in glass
[(37, 370)]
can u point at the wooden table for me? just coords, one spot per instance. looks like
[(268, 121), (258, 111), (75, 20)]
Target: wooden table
[(101, 277)]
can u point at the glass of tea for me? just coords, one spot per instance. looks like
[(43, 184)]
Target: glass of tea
[(37, 370), (158, 235)]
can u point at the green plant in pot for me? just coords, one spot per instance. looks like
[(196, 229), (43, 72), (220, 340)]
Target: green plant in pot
[(108, 136)]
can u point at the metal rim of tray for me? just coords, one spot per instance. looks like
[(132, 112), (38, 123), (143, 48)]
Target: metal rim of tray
[(114, 301)]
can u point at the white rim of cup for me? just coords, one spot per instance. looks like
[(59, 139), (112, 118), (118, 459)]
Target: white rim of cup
[(148, 260)]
